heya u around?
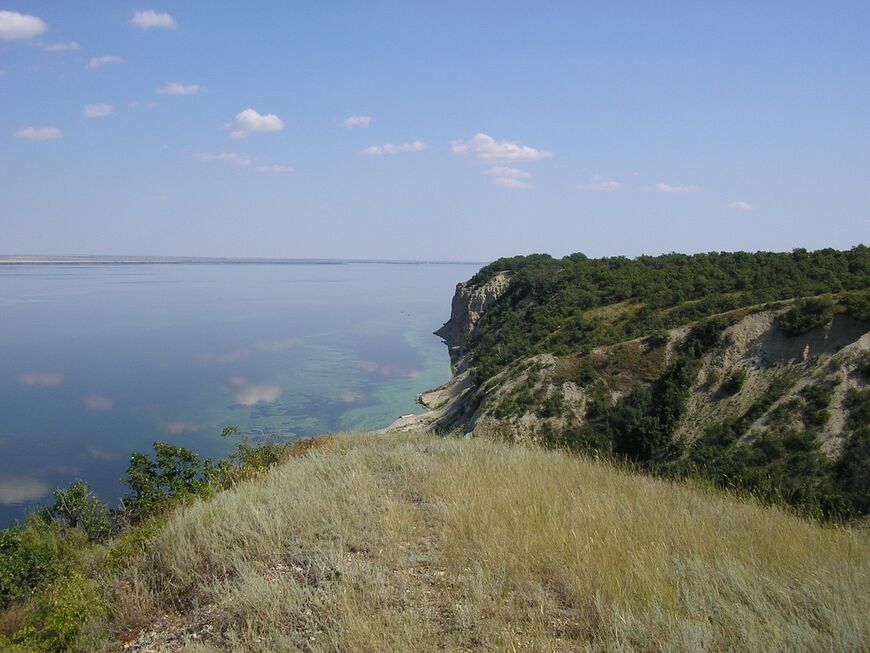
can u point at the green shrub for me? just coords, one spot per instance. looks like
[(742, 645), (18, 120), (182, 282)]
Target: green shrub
[(817, 397), (734, 381), (806, 315), (30, 555), (657, 339), (553, 406), (858, 305), (248, 459), (78, 507), (174, 474), (61, 614)]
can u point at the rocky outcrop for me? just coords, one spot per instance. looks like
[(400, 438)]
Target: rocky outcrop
[(469, 303)]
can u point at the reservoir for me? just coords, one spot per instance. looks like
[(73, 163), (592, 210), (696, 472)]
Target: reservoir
[(99, 361)]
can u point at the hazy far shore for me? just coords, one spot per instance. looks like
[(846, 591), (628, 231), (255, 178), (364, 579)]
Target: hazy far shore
[(165, 260)]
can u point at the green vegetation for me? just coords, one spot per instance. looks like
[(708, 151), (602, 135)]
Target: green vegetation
[(640, 426), (53, 565), (606, 320), (853, 466), (817, 398), (806, 315), (734, 381), (551, 304)]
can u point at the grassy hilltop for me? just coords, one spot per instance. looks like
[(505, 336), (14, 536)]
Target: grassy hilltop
[(410, 542)]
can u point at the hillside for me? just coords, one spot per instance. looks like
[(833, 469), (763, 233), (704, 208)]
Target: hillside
[(750, 370), (408, 542)]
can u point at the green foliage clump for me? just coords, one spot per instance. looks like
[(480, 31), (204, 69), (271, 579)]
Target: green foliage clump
[(806, 315), (817, 398), (640, 425), (857, 305), (734, 381), (853, 465), (30, 555), (174, 474), (553, 406), (78, 507), (657, 339), (60, 615)]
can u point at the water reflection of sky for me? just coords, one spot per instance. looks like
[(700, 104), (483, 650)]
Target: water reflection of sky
[(100, 361)]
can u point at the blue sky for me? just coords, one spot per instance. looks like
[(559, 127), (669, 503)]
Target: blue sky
[(494, 128)]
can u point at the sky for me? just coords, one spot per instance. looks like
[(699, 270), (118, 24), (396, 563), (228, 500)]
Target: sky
[(432, 130)]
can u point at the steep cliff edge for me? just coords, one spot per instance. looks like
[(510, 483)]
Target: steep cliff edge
[(469, 303)]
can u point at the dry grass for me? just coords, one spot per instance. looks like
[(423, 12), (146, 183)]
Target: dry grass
[(413, 543)]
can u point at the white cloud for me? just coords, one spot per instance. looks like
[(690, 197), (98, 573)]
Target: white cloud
[(484, 147), (21, 489), (357, 121), (667, 188), (740, 206), (275, 167), (97, 110), (508, 182), (20, 26), (177, 88), (39, 134), (598, 184), (249, 121), (98, 403), (148, 19), (41, 379), (97, 62), (60, 46), (389, 148), (507, 177), (228, 157), (248, 394), (505, 172)]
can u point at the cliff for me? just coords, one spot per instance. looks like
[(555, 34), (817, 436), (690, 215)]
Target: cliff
[(469, 303), (772, 397)]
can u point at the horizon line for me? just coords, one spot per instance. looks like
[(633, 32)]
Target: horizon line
[(108, 259)]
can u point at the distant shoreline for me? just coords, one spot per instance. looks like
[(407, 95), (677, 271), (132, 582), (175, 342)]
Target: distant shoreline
[(201, 260)]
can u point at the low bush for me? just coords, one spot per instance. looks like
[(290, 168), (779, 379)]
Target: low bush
[(806, 315), (734, 381), (61, 615), (31, 555), (78, 507)]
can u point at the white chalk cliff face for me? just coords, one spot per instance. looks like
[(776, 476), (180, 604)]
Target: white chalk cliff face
[(469, 303)]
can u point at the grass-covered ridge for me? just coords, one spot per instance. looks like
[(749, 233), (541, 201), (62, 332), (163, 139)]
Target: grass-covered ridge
[(416, 543)]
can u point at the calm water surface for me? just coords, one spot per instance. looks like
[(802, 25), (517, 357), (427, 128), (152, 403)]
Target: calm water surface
[(99, 361)]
